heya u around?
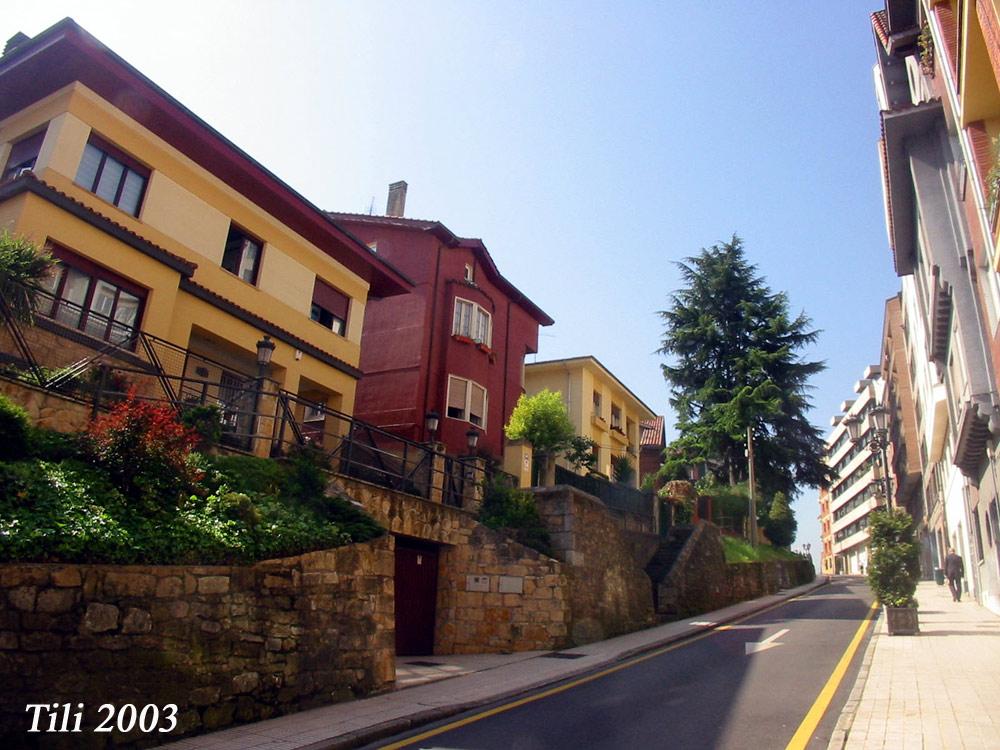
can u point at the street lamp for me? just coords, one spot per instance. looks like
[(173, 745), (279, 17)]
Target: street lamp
[(877, 443), (265, 349), (431, 421), (472, 440)]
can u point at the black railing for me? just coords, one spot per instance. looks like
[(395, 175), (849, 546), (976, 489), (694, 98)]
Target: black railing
[(617, 497), (255, 415)]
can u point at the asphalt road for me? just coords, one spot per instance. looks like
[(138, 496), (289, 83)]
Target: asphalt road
[(710, 692)]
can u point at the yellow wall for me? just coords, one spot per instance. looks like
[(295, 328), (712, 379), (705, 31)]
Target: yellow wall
[(39, 221), (978, 86), (577, 380), (187, 211)]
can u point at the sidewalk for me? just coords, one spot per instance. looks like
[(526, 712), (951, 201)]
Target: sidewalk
[(940, 689), (484, 679)]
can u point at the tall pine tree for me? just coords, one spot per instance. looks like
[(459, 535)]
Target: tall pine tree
[(735, 362)]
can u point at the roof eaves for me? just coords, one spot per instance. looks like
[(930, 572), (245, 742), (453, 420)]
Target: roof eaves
[(266, 326)]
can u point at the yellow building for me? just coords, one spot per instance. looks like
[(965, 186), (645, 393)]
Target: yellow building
[(600, 406), (161, 224)]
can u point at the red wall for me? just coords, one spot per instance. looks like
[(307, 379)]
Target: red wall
[(407, 350)]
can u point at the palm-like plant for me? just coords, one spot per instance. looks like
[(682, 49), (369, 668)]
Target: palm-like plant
[(23, 268)]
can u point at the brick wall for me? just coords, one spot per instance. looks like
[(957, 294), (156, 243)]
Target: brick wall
[(226, 644)]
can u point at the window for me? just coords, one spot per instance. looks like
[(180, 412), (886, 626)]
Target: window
[(112, 175), (616, 417), (242, 254), (469, 273), (329, 307), (597, 405), (466, 401), (92, 299), (473, 322), (23, 155), (979, 534), (314, 412)]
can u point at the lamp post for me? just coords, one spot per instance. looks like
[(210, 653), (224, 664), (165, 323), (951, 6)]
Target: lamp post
[(431, 421), (471, 441), (877, 444), (265, 350)]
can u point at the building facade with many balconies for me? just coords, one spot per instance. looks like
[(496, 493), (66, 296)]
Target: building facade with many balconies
[(936, 85)]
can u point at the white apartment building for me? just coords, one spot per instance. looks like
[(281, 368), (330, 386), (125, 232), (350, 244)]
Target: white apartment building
[(853, 494)]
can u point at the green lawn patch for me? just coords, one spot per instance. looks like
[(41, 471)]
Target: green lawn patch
[(739, 551)]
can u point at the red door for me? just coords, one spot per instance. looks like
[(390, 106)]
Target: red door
[(416, 597)]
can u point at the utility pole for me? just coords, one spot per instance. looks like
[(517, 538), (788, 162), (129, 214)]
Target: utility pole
[(751, 480)]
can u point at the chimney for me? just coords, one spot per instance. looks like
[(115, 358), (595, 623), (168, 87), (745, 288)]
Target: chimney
[(397, 199), (16, 41)]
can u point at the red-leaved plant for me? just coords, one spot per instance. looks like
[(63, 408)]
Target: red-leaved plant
[(145, 450)]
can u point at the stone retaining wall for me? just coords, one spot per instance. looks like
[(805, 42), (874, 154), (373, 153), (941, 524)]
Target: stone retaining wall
[(494, 595), (47, 409), (609, 593), (225, 644), (701, 580)]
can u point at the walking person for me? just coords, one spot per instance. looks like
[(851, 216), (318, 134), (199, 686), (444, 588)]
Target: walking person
[(954, 570)]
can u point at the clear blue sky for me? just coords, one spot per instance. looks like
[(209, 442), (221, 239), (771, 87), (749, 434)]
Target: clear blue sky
[(591, 145)]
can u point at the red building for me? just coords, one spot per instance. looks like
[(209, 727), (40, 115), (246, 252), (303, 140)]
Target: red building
[(455, 345)]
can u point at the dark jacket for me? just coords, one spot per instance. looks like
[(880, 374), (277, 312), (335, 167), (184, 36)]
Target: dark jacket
[(953, 566)]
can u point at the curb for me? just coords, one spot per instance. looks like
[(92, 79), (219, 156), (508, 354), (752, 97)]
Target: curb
[(841, 733), (386, 729)]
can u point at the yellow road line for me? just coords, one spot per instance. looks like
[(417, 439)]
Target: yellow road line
[(805, 731), (574, 683)]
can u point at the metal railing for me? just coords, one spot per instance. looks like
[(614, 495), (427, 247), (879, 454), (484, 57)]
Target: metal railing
[(617, 497), (255, 414)]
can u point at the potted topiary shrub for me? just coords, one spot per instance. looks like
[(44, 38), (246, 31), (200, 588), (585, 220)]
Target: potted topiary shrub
[(894, 568)]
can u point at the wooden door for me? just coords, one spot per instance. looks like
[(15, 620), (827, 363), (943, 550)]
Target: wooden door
[(416, 597)]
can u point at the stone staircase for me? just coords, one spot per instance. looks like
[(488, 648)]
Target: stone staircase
[(658, 568)]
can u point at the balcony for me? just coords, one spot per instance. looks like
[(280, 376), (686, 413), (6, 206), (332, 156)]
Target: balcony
[(973, 435)]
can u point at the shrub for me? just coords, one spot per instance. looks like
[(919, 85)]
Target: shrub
[(145, 451), (514, 511), (894, 560), (581, 454), (206, 422), (52, 445), (622, 469), (22, 269), (14, 429)]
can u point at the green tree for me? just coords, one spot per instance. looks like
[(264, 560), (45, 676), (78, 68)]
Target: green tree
[(780, 525), (542, 421), (23, 268), (581, 454), (734, 362)]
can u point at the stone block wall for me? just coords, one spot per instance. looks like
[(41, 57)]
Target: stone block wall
[(46, 409), (701, 580), (494, 595), (609, 593), (226, 644)]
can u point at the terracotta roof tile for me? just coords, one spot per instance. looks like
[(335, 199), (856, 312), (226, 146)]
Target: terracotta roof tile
[(651, 432), (880, 23)]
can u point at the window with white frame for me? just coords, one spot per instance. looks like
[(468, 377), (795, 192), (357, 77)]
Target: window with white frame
[(473, 322), (466, 401)]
